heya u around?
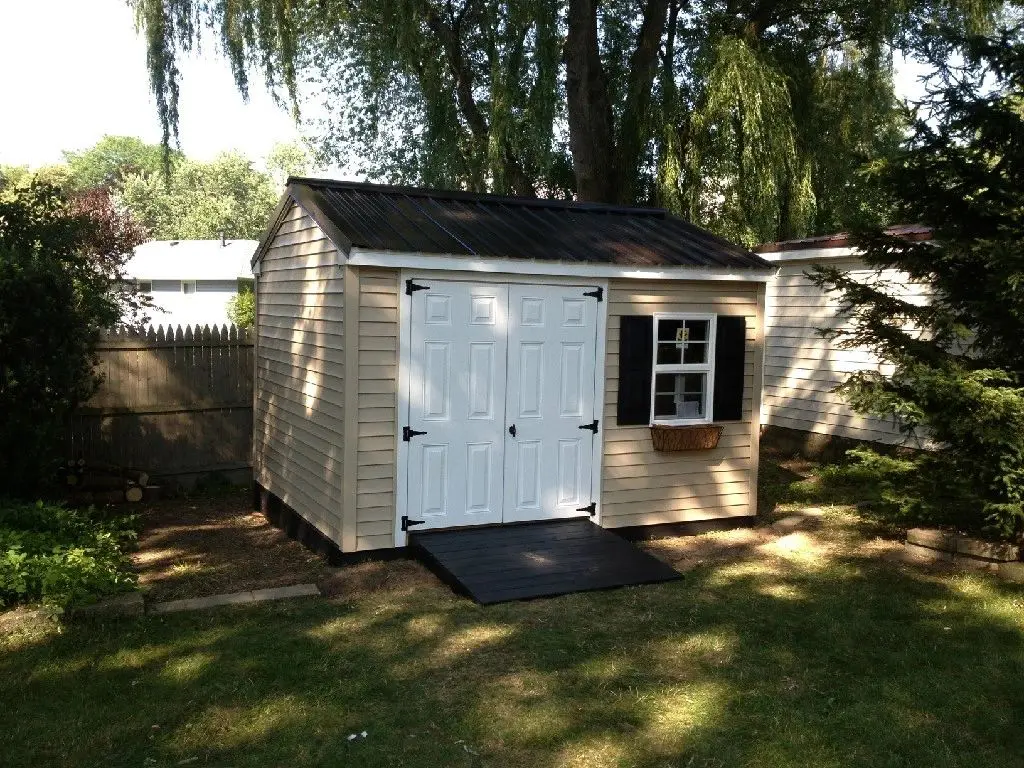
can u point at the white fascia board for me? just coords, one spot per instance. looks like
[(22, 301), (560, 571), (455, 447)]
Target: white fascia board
[(360, 257), (811, 254)]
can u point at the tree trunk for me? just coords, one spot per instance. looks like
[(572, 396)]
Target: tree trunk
[(591, 124), (634, 130), (450, 34)]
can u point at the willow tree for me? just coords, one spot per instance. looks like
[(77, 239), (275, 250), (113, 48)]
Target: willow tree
[(747, 115)]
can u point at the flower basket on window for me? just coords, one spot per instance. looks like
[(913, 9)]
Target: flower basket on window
[(698, 437)]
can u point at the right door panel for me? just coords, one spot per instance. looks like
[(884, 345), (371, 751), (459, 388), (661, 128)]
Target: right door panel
[(551, 353)]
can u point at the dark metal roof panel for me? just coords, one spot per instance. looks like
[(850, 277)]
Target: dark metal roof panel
[(462, 223)]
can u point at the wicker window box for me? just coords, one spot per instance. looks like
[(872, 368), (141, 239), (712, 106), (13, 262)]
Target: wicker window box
[(697, 437)]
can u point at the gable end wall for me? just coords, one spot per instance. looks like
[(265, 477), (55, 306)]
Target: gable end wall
[(298, 409)]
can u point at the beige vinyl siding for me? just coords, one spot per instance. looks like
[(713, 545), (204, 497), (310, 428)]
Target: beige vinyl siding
[(802, 369), (377, 404), (300, 373), (641, 486)]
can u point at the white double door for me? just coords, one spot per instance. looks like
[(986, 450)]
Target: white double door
[(501, 379)]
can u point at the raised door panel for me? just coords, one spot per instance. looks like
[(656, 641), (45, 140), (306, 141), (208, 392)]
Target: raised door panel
[(458, 345), (551, 385)]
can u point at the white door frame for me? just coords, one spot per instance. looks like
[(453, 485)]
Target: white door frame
[(404, 359)]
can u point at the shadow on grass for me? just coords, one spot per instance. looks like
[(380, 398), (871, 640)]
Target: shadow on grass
[(781, 662), (792, 481)]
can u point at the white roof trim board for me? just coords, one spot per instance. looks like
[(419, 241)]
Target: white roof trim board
[(359, 257), (191, 260), (811, 254)]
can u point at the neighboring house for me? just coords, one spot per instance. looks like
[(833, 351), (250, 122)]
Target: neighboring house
[(191, 281), (445, 359), (801, 368)]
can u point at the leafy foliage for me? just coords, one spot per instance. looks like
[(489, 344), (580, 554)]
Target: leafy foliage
[(113, 158), (957, 360), (748, 116), (242, 308), (61, 283), (287, 159), (202, 201), (61, 555)]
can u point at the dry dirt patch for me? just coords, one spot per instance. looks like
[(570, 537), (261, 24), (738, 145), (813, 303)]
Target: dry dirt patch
[(200, 546)]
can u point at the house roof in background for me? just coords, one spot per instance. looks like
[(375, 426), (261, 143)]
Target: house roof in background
[(425, 221), (912, 232), (192, 260)]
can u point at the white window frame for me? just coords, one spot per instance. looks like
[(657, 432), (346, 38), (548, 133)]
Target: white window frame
[(193, 283), (706, 367)]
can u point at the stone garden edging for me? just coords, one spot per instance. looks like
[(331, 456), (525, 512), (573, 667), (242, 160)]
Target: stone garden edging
[(937, 546)]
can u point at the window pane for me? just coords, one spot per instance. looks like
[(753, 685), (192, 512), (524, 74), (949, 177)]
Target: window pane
[(682, 341), (679, 395), (695, 352)]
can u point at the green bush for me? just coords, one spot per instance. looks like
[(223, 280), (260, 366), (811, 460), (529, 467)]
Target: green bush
[(924, 489), (60, 555), (242, 308)]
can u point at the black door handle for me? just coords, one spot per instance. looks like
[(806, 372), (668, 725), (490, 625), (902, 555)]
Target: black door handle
[(512, 430)]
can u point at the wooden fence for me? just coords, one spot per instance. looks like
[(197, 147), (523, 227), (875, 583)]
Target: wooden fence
[(173, 402)]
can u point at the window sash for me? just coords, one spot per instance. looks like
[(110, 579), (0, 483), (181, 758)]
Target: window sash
[(706, 367)]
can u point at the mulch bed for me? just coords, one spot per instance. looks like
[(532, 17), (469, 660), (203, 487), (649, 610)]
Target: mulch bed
[(214, 543)]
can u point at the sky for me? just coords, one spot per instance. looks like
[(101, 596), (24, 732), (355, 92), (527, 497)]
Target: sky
[(75, 70), (79, 72)]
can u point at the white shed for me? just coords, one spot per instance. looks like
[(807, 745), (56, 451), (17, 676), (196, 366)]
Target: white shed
[(801, 368)]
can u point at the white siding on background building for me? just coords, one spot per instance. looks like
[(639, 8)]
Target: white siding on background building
[(801, 368)]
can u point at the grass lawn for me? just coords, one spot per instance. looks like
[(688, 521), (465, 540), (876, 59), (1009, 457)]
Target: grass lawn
[(807, 650)]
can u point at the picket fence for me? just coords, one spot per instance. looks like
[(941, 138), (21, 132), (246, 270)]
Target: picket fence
[(172, 402)]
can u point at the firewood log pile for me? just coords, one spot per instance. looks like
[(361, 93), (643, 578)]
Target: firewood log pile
[(94, 483)]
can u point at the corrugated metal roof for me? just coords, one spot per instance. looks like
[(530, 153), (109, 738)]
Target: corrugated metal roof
[(911, 232), (407, 219)]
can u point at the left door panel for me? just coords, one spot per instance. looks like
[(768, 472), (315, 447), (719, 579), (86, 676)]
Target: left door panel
[(457, 377)]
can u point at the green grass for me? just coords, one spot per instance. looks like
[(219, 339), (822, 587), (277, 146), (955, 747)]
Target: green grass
[(800, 660)]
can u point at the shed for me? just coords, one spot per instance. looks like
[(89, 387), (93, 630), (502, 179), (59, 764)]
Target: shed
[(799, 407), (430, 359)]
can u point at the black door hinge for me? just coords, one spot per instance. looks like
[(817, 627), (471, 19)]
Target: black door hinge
[(407, 523), (411, 287), (592, 426), (590, 509), (408, 434), (597, 293)]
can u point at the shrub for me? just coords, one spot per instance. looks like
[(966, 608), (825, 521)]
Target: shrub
[(60, 555), (242, 308), (927, 488), (61, 283)]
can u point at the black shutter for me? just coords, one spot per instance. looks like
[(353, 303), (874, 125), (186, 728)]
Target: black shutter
[(730, 346), (636, 356)]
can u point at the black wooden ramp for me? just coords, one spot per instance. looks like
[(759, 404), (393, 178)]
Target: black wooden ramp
[(519, 562)]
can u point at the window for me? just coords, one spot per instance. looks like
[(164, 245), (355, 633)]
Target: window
[(144, 286), (683, 375), (188, 286)]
